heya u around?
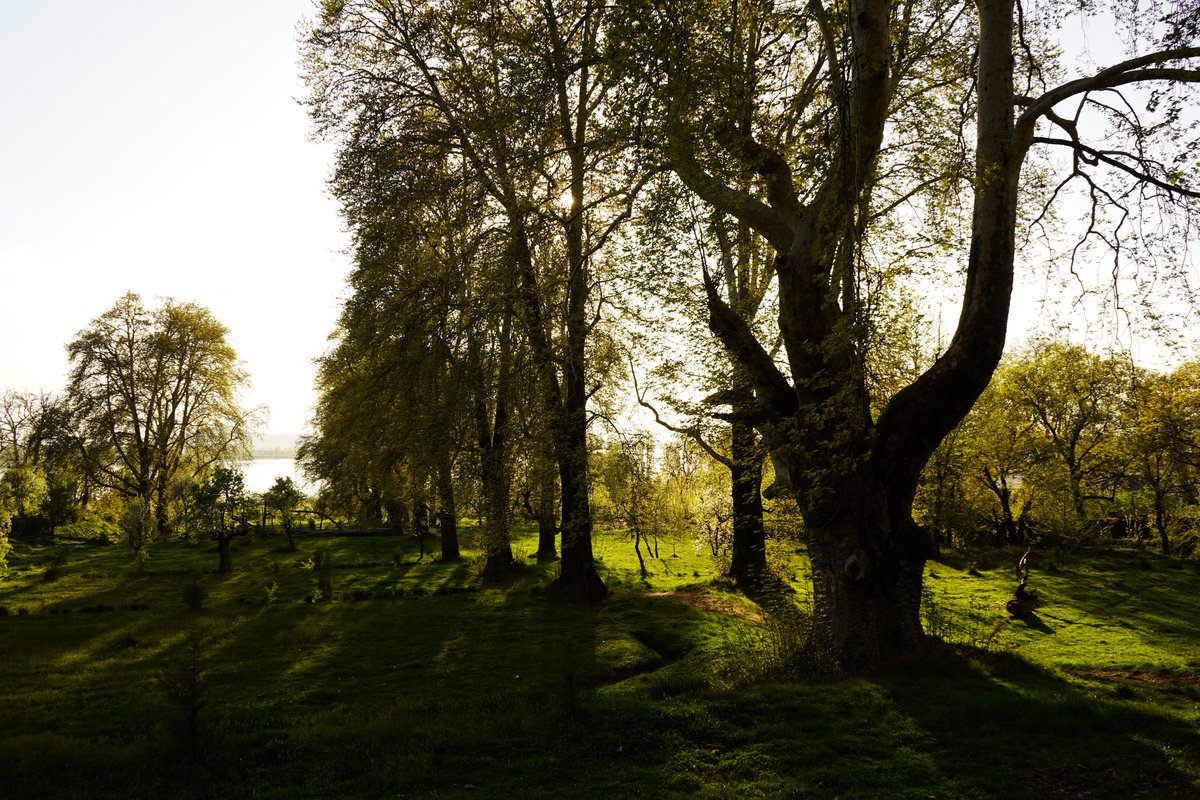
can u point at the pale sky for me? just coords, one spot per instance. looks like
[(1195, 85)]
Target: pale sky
[(157, 147)]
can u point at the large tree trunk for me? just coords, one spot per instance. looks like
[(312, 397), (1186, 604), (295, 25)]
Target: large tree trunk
[(577, 576), (497, 547), (868, 567), (748, 559)]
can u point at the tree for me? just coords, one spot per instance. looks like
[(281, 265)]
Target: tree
[(627, 471), (221, 509), (35, 438), (24, 489), (515, 97), (1162, 435), (860, 113), (283, 497), (1074, 398), (153, 393)]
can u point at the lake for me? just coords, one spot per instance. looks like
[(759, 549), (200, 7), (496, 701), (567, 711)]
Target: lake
[(261, 474)]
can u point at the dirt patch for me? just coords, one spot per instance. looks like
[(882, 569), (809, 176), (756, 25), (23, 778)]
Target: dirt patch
[(1140, 676), (708, 602)]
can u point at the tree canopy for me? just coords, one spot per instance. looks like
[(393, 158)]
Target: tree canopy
[(154, 395)]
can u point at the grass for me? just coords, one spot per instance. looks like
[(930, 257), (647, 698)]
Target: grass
[(419, 680)]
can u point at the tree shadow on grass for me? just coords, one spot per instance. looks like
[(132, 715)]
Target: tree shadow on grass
[(1034, 622), (1010, 729)]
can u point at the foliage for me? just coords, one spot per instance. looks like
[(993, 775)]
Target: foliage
[(221, 509), (1067, 446), (153, 395), (24, 489), (284, 498)]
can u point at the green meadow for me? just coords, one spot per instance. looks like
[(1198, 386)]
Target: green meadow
[(407, 678)]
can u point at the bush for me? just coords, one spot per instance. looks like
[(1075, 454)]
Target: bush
[(194, 596), (56, 564)]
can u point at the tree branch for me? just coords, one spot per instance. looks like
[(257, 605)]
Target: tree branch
[(746, 350), (1133, 70), (691, 431), (763, 218), (1113, 162)]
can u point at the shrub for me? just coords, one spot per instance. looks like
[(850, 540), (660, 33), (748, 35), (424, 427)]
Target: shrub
[(56, 564), (194, 596), (777, 650)]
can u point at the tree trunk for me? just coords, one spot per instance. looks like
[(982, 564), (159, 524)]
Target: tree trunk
[(162, 521), (566, 406), (1160, 522), (578, 576), (748, 560), (547, 530), (497, 547), (866, 589), (637, 548), (226, 562), (447, 515)]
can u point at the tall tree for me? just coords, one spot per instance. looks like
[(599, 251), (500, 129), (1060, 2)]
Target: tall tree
[(154, 393), (514, 94), (848, 128)]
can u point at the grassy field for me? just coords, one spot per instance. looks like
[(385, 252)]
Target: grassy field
[(418, 680)]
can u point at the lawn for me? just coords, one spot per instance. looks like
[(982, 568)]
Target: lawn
[(418, 680)]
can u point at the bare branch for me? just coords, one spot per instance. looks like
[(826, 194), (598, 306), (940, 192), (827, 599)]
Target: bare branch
[(1106, 158), (692, 431)]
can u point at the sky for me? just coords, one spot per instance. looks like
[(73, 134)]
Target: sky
[(158, 147)]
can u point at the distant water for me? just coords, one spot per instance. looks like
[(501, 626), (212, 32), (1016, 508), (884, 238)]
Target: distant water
[(261, 474)]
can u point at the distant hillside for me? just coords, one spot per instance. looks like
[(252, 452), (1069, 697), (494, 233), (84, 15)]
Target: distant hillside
[(276, 445)]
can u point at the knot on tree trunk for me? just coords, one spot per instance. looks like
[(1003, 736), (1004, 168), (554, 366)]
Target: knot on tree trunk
[(857, 566)]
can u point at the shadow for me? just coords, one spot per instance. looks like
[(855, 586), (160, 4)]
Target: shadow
[(1010, 729), (1034, 622)]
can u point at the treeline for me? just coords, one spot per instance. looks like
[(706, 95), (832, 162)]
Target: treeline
[(129, 449), (1067, 445), (550, 202)]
